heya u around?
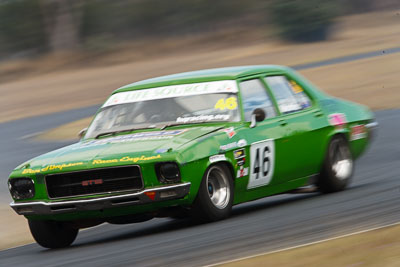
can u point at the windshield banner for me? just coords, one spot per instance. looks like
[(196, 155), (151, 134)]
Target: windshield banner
[(227, 86)]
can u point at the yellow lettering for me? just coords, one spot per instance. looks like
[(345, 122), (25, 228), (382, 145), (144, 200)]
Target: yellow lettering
[(229, 103), (136, 159), (100, 161), (30, 171)]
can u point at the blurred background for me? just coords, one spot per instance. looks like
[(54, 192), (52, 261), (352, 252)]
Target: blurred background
[(30, 28), (60, 59), (91, 47)]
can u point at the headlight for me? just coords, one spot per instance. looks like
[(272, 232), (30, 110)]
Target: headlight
[(21, 188), (168, 172)]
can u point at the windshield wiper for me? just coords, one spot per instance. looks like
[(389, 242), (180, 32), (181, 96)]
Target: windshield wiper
[(105, 133), (123, 131)]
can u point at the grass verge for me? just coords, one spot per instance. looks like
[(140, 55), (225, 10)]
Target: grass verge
[(375, 248)]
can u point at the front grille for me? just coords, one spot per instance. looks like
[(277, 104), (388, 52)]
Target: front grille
[(94, 181)]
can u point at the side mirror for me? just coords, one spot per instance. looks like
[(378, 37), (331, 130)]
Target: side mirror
[(82, 133), (257, 116)]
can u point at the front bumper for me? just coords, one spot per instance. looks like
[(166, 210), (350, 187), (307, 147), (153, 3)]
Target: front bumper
[(151, 195), (372, 127)]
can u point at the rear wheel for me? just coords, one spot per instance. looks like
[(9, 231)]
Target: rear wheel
[(215, 197), (337, 169), (52, 234)]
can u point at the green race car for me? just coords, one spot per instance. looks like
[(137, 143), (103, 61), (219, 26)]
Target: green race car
[(192, 144)]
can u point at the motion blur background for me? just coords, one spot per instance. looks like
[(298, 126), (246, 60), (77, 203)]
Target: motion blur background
[(90, 47), (31, 28), (63, 55)]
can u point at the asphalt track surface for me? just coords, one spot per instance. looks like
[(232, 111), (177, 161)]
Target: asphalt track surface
[(373, 199), (265, 225)]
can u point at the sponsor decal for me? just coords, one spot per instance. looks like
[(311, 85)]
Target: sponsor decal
[(60, 167), (228, 146), (104, 161), (227, 86), (92, 182), (358, 132), (239, 153), (52, 167), (155, 135), (337, 119), (218, 117), (242, 143), (242, 172), (219, 157), (31, 171), (229, 131), (241, 162), (125, 159), (295, 87)]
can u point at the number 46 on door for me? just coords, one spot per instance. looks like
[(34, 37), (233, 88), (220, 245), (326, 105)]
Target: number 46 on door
[(262, 161)]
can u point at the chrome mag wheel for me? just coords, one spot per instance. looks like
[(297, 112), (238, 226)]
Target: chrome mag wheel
[(218, 187)]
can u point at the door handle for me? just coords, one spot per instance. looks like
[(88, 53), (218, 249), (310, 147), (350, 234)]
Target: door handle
[(318, 113), (282, 123)]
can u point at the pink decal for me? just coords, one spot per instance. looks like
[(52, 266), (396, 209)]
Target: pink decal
[(337, 119)]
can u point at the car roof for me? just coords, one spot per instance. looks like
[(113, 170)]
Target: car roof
[(228, 73)]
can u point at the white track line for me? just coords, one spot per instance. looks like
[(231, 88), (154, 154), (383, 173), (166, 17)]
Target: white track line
[(304, 245), (29, 136)]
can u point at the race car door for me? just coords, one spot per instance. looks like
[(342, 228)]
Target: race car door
[(304, 121), (268, 140)]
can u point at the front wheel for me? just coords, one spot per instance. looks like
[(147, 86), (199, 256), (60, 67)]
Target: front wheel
[(337, 169), (52, 234), (215, 196)]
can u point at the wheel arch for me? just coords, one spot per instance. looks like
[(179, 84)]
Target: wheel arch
[(227, 164), (344, 133)]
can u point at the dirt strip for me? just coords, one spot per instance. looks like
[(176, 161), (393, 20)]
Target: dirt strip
[(375, 248), (68, 88), (15, 231)]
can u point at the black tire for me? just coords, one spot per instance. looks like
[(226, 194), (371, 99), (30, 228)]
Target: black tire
[(212, 204), (337, 168), (52, 234)]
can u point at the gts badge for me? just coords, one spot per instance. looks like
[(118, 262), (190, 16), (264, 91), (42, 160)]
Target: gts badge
[(92, 182)]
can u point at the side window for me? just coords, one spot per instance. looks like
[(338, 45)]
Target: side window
[(299, 94), (254, 95), (289, 95)]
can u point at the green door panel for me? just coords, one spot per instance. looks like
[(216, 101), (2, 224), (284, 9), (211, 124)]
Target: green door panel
[(307, 142), (269, 149)]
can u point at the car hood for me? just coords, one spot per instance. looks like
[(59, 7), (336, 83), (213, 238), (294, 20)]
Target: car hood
[(122, 149)]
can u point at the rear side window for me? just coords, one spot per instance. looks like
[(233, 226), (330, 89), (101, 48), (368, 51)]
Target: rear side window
[(300, 95), (288, 94), (254, 95)]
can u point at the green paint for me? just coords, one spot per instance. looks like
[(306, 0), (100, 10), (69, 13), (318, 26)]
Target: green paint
[(299, 146)]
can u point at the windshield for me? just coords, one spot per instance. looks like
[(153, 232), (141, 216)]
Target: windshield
[(151, 108)]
